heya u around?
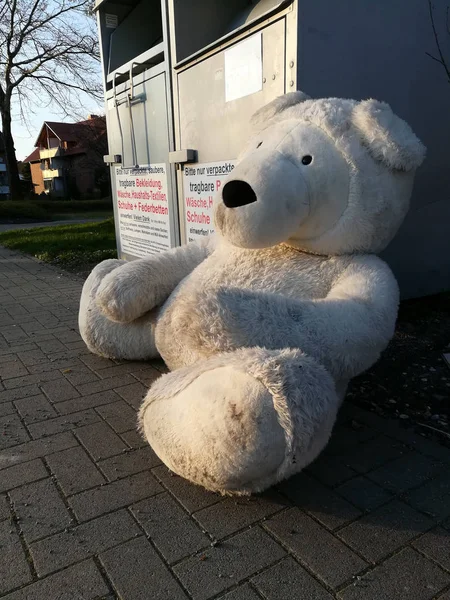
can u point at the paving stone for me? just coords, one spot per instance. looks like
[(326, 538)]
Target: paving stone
[(128, 463), (80, 375), (14, 334), (60, 390), (405, 472), (68, 335), (330, 470), (64, 423), (34, 409), (382, 531), (17, 310), (234, 513), (66, 362), (321, 502), (35, 449), (407, 575), (81, 542), (40, 509), (49, 346), (362, 492), (14, 569), (7, 408), (375, 453), (147, 376), (79, 345), (134, 439), (223, 566), (6, 348), (12, 432), (112, 496), (4, 507), (436, 545), (192, 497), (288, 580), (430, 448), (433, 497), (243, 592), (29, 380), (150, 577), (80, 582), (113, 371), (100, 440), (133, 393), (74, 470), (6, 319), (13, 369), (169, 527), (17, 475), (32, 357), (103, 385), (119, 415), (15, 394), (21, 392), (85, 402), (96, 363), (326, 556)]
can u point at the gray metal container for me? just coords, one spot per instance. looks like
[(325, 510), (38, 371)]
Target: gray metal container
[(182, 79)]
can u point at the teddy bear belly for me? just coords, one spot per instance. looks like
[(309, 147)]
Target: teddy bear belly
[(190, 326)]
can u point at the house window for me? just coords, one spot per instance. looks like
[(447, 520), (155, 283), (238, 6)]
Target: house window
[(48, 185)]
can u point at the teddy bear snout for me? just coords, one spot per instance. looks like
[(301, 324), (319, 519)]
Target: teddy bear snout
[(238, 193)]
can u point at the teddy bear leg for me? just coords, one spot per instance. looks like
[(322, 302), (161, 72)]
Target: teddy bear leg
[(129, 341), (240, 422)]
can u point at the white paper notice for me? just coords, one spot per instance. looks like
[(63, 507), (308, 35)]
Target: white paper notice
[(243, 68), (143, 210), (201, 182)]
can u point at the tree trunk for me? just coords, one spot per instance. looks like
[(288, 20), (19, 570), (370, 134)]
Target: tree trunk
[(15, 188)]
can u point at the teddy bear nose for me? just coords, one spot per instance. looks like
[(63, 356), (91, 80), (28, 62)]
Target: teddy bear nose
[(238, 193)]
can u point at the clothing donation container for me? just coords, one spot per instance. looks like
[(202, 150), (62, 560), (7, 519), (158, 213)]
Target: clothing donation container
[(183, 77)]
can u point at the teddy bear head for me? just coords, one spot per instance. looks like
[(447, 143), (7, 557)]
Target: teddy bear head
[(327, 176)]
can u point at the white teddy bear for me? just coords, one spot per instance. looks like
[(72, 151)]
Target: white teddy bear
[(264, 324)]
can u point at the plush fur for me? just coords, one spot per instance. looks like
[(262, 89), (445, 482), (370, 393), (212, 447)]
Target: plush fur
[(264, 324)]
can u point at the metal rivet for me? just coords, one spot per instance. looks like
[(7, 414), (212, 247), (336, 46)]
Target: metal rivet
[(291, 64), (273, 76), (291, 84)]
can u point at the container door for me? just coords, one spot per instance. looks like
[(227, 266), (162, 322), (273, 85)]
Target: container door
[(145, 206), (216, 99)]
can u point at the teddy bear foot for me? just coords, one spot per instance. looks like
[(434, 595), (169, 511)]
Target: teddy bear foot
[(128, 341), (240, 422)]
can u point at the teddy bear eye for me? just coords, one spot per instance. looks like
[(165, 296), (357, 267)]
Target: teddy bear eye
[(260, 144), (307, 159)]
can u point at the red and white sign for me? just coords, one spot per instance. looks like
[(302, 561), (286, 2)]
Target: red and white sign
[(143, 209), (201, 182)]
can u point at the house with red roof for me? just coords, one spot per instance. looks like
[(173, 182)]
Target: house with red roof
[(68, 158)]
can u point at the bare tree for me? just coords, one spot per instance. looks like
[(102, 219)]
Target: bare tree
[(440, 58), (48, 55)]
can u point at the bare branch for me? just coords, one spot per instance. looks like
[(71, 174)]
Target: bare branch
[(441, 59), (434, 58)]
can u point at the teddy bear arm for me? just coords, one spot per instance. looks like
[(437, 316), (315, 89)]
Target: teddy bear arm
[(139, 286), (346, 331), (354, 323)]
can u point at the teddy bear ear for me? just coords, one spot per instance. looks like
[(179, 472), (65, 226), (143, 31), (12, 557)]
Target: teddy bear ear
[(388, 138), (259, 120)]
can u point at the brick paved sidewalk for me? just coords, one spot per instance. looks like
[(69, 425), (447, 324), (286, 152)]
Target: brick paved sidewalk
[(87, 510)]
